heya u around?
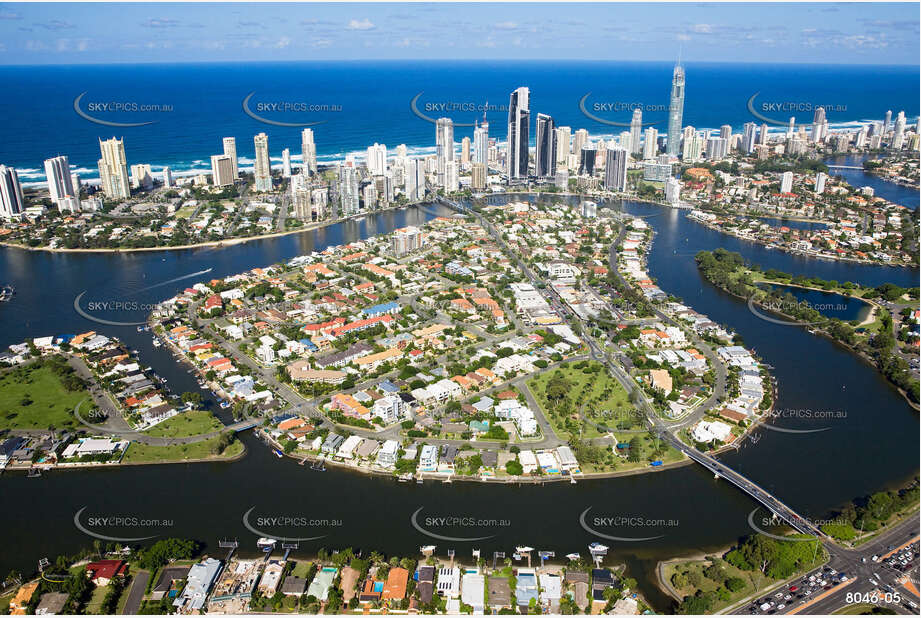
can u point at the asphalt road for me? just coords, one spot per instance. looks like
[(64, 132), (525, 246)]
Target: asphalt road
[(136, 593)]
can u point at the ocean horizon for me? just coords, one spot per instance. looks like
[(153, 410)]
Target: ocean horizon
[(363, 102)]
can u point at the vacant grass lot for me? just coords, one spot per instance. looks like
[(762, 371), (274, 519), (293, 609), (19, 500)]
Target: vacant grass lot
[(590, 398), (145, 453), (34, 397), (186, 424)]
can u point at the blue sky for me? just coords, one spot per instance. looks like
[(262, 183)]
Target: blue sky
[(862, 33)]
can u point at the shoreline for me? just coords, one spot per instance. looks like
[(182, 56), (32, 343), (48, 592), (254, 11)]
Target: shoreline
[(807, 254), (228, 242), (821, 331), (122, 464), (451, 478)]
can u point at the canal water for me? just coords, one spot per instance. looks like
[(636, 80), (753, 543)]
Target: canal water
[(829, 304), (895, 193), (869, 444)]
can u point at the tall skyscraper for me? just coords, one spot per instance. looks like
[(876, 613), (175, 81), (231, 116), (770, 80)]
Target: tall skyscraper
[(763, 134), (444, 148), (615, 169), (898, 133), (748, 137), (791, 128), (886, 121), (820, 179), (519, 120), (414, 180), (579, 139), (113, 169), (308, 152), (230, 149), (60, 184), (675, 110), (587, 159), (563, 137), (650, 143), (672, 191), (11, 202), (465, 151), (286, 163), (545, 153), (636, 131), (481, 143), (377, 159), (818, 125), (348, 191), (478, 176), (167, 177), (786, 182), (262, 169), (221, 170), (452, 177), (726, 132)]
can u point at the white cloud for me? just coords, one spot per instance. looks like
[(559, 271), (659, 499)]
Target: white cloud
[(283, 42), (363, 24)]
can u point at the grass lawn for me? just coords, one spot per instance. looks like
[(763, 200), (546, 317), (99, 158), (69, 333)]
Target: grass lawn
[(94, 606), (34, 397), (301, 568), (695, 571), (185, 212), (186, 424), (647, 447), (145, 453), (594, 397)]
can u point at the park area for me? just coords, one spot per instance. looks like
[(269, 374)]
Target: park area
[(40, 395), (581, 399)]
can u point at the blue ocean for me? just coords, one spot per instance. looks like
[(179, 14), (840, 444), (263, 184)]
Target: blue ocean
[(358, 103)]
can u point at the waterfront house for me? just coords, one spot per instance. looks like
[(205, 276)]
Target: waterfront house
[(395, 587), (293, 586), (526, 588), (428, 459), (322, 582), (500, 593), (473, 591), (551, 590), (387, 456), (200, 580), (51, 604), (20, 603), (449, 582), (332, 443)]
